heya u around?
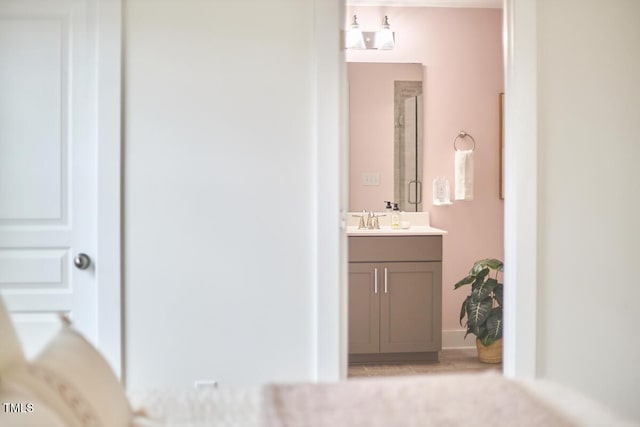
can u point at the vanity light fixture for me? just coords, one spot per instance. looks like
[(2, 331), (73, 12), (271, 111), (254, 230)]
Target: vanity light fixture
[(355, 38), (383, 39)]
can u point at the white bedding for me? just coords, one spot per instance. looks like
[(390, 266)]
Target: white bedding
[(224, 406), (433, 400)]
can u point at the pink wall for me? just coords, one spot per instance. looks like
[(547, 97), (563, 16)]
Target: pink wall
[(461, 50)]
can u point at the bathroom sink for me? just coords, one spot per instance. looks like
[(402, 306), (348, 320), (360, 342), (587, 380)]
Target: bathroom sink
[(418, 223)]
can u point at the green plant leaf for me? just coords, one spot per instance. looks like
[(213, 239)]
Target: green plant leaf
[(491, 263), (478, 266), (478, 311), (479, 270), (480, 282), (494, 264), (494, 323), (480, 331), (463, 282), (483, 290), (463, 310), (498, 293)]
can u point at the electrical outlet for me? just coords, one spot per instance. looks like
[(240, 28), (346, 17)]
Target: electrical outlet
[(371, 179)]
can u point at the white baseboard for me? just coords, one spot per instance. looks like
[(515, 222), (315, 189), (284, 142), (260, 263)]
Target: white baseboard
[(454, 338)]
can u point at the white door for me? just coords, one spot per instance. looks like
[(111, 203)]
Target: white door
[(48, 165)]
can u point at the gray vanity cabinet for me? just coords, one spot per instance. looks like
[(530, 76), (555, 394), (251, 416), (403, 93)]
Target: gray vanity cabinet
[(395, 298), (364, 308)]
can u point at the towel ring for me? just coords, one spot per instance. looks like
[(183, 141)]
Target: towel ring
[(463, 134)]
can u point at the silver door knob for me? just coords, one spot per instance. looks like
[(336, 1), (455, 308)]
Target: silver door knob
[(82, 261)]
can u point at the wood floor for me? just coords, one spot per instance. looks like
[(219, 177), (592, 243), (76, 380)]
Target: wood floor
[(457, 360)]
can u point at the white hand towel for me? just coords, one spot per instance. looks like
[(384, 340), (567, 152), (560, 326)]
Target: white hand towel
[(464, 174)]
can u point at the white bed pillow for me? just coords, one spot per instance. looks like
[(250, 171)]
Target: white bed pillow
[(10, 350), (32, 412), (77, 382)]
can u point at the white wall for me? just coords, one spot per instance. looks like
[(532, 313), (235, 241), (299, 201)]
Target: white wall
[(220, 192), (589, 188)]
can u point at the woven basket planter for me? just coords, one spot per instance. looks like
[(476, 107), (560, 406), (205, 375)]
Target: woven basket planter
[(491, 353)]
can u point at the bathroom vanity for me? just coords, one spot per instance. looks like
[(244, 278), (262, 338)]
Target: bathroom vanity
[(395, 293)]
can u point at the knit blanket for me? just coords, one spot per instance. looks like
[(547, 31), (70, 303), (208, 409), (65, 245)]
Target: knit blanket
[(486, 399)]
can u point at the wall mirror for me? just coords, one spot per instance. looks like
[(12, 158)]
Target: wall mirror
[(385, 135)]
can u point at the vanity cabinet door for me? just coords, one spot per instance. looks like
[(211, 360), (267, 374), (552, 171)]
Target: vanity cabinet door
[(364, 308), (411, 316)]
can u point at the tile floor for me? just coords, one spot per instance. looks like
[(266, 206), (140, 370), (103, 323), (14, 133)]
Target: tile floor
[(455, 360)]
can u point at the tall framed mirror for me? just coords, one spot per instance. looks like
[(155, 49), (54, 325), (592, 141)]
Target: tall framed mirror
[(385, 135)]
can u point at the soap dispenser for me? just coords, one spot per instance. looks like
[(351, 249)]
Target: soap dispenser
[(395, 216), (388, 207)]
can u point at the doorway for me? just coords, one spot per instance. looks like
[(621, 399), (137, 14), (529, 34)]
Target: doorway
[(454, 100)]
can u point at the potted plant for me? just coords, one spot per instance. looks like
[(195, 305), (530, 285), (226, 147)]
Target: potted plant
[(483, 308)]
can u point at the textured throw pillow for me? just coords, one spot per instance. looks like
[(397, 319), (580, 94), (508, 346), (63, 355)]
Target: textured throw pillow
[(77, 382), (19, 407), (11, 353)]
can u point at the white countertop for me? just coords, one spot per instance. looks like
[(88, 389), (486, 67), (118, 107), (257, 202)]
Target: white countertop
[(419, 225), (419, 230)]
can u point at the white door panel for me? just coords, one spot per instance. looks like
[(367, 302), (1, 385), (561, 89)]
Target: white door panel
[(33, 135), (20, 268), (48, 164)]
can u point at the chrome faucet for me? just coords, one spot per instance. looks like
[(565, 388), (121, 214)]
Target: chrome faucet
[(362, 224), (368, 220), (375, 221)]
